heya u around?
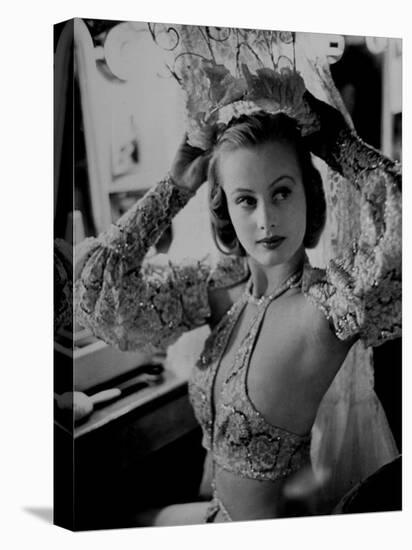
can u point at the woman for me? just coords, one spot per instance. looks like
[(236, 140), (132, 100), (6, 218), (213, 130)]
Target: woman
[(280, 328)]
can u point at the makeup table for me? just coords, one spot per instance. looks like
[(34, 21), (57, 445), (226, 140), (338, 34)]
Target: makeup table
[(138, 451)]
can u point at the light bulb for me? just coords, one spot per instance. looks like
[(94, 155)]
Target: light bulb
[(376, 44)]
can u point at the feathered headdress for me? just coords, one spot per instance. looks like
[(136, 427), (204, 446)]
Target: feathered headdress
[(228, 72)]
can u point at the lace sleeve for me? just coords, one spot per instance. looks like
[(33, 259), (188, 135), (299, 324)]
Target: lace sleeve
[(360, 291), (127, 301)]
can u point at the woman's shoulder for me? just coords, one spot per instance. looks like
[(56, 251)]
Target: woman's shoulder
[(316, 291), (227, 282), (303, 319), (299, 315)]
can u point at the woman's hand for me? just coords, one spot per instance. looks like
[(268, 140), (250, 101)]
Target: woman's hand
[(189, 168), (330, 123)]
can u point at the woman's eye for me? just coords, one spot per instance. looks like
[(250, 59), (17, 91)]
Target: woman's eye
[(246, 201), (282, 194)]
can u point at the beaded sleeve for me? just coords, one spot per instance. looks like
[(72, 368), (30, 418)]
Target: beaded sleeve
[(128, 301), (360, 291)]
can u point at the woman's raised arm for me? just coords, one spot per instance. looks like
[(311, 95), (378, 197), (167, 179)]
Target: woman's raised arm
[(132, 303), (361, 292), (128, 302)]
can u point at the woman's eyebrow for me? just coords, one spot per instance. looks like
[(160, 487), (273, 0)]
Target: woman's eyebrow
[(274, 182), (242, 190), (282, 177)]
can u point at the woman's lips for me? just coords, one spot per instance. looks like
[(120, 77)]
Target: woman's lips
[(271, 242)]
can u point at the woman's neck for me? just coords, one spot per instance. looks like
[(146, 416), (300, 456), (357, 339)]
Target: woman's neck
[(265, 280)]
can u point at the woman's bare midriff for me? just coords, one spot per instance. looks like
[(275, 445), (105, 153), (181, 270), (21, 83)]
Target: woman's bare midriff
[(248, 499)]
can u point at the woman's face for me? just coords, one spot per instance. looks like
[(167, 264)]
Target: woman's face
[(266, 200)]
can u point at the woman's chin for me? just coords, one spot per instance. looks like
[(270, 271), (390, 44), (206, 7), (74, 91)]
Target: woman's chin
[(278, 256), (269, 258)]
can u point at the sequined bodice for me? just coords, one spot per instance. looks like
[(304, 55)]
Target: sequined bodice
[(242, 441)]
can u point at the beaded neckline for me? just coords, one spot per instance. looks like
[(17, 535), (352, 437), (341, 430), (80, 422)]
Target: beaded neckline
[(295, 280)]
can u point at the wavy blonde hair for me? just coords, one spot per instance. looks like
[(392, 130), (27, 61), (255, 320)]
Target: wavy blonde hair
[(250, 131)]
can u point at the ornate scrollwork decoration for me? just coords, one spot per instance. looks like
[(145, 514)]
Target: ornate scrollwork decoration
[(164, 30), (218, 67)]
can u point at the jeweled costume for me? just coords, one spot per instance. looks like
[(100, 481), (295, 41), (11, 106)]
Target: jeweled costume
[(130, 303)]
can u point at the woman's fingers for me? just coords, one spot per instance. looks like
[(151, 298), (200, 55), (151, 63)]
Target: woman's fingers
[(330, 123), (199, 168), (189, 168), (328, 115)]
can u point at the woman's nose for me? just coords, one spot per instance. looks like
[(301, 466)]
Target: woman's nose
[(266, 217)]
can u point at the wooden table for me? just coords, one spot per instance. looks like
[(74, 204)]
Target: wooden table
[(139, 451)]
